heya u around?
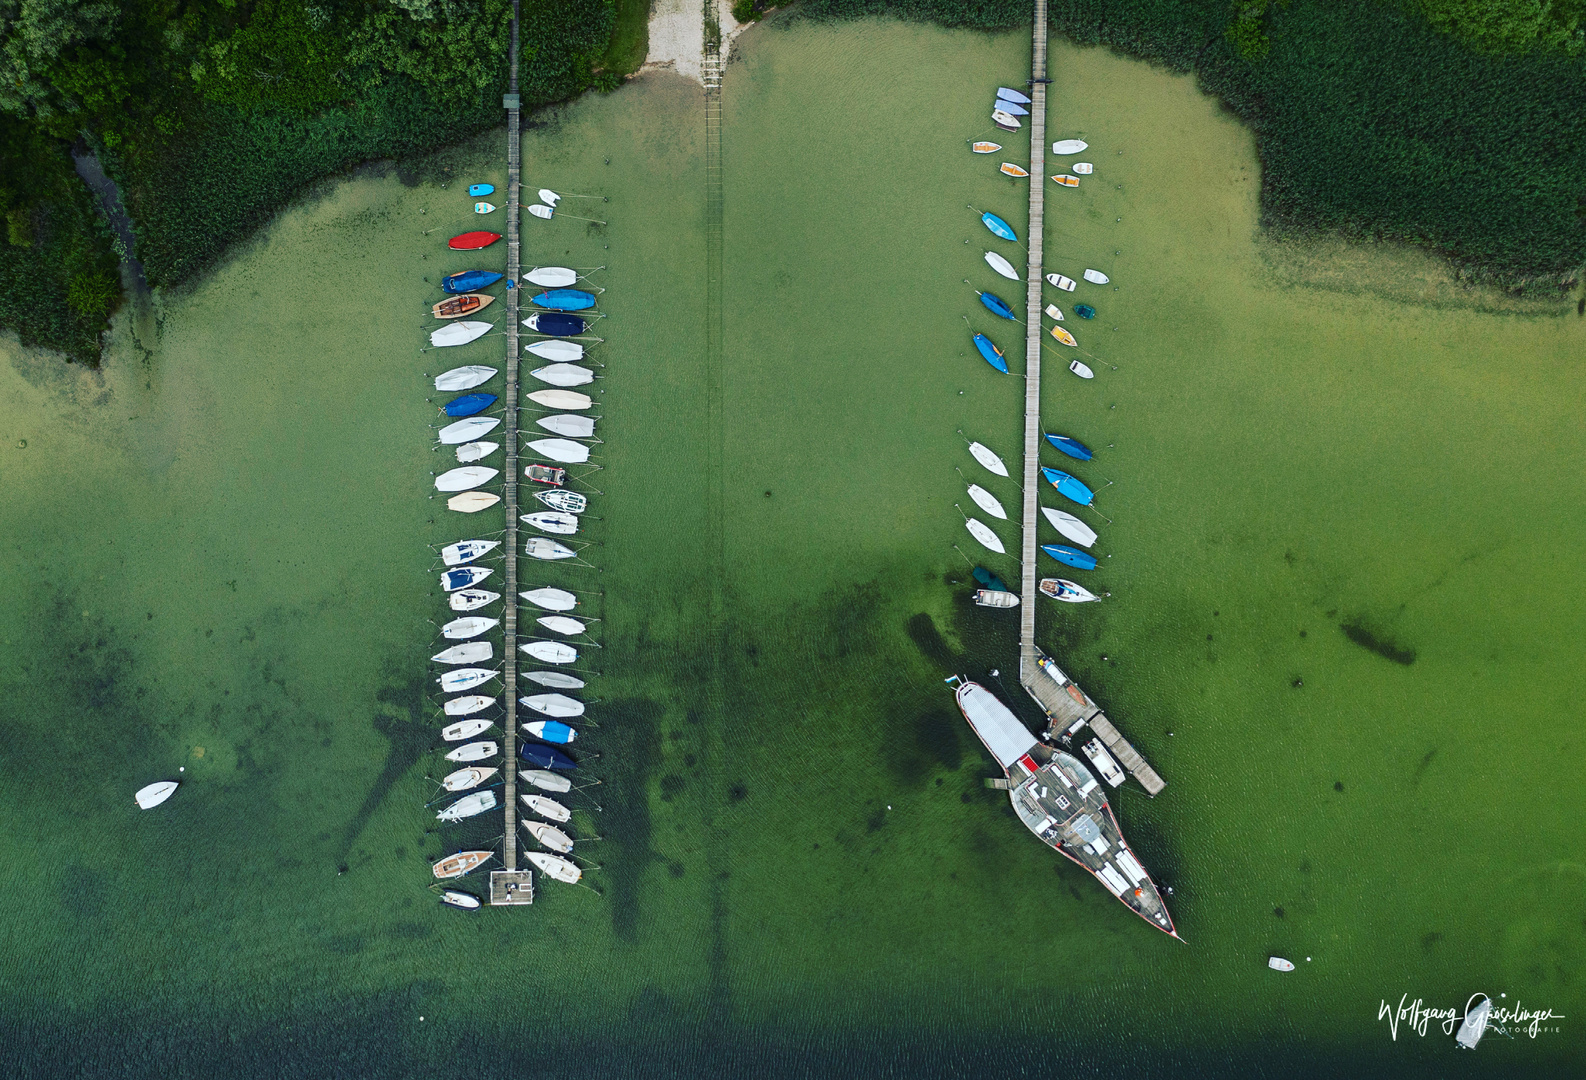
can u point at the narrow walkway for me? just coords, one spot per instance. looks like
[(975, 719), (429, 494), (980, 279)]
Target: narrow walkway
[(1032, 351)]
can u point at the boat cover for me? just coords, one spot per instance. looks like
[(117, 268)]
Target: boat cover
[(565, 300), (469, 404), (1001, 731), (469, 281), (997, 306), (556, 325)]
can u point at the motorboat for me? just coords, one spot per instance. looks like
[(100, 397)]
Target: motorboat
[(1061, 282), (1070, 526), (551, 277), (550, 652), (1069, 147), (1068, 486), (563, 300), (990, 353), (465, 679), (997, 306), (466, 551), (564, 375), (1082, 370), (1005, 120), (1067, 591), (985, 147), (560, 680), (1009, 94), (471, 599), (469, 652), (466, 706), (463, 901), (461, 577), (561, 624), (1071, 446), (1008, 168), (538, 547), (554, 867), (1065, 181), (455, 866), (561, 399), (998, 227), (1012, 108), (563, 450), (1001, 266), (464, 378), (1474, 1025), (1064, 337), (471, 502), (459, 333), (1084, 311), (466, 478), (455, 307), (568, 425), (469, 281), (468, 404), (545, 756), (551, 599), (570, 502), (546, 474), (153, 795), (556, 706), (463, 779), (551, 731), (484, 208), (1083, 168), (982, 532), (476, 451), (470, 627), (555, 351), (1096, 277), (551, 521), (468, 430), (1079, 560), (1104, 762), (555, 324), (1277, 963), (476, 190), (549, 836), (994, 598), (474, 751), (472, 241), (465, 729), (468, 806), (987, 502), (987, 457)]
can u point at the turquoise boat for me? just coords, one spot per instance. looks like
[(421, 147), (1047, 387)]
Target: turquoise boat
[(1068, 556), (992, 354), (564, 300), (1067, 486), (476, 190), (999, 227)]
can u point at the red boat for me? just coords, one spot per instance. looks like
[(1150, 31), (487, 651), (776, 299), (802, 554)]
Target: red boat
[(472, 241)]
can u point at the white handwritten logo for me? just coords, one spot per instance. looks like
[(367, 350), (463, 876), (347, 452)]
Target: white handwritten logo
[(1505, 1019)]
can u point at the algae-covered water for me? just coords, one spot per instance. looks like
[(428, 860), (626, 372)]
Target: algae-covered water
[(1345, 557)]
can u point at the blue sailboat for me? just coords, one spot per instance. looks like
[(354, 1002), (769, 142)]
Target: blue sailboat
[(469, 281), (1068, 486), (565, 300), (999, 227), (551, 731), (469, 404), (555, 325), (476, 190), (1072, 447), (992, 354), (998, 306), (1008, 93), (546, 757), (1068, 556)]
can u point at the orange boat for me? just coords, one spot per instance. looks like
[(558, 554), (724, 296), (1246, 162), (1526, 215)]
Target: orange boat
[(1066, 181), (459, 864), (473, 241), (1010, 169), (1064, 336), (985, 147), (455, 307)]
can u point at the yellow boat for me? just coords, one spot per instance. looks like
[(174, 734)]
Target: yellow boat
[(1064, 336), (985, 147), (1010, 169), (1066, 181)]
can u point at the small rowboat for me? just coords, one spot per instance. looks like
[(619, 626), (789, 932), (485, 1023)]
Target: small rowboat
[(556, 706), (551, 599), (1008, 168), (564, 300), (1064, 336), (1068, 486), (541, 211), (1068, 556), (470, 627), (1005, 120), (551, 731), (1084, 168), (484, 208), (985, 147), (462, 577), (987, 457), (458, 334), (1061, 282), (549, 197), (1013, 108), (464, 378), (463, 779), (982, 532), (469, 281), (476, 451), (1096, 277), (1067, 591), (466, 551), (469, 652), (465, 678), (546, 757), (555, 351), (465, 729), (551, 277), (561, 399), (999, 227), (559, 679), (465, 479), (1066, 147), (550, 652), (553, 867), (473, 241), (991, 353), (572, 427), (548, 835), (1066, 181), (1081, 370), (997, 306), (546, 474), (564, 375), (465, 706), (1001, 266), (474, 751), (463, 901), (455, 307), (563, 450), (1084, 311), (1277, 963), (476, 190), (555, 324), (455, 866), (538, 547), (1054, 312), (468, 430), (471, 502), (561, 624), (153, 795), (551, 521), (546, 781), (471, 599), (1070, 446), (1009, 94), (987, 502), (995, 599), (468, 404)]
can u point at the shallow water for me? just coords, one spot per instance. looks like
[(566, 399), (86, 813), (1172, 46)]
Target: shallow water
[(214, 557)]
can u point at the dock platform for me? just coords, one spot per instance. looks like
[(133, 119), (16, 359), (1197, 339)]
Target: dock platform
[(509, 887)]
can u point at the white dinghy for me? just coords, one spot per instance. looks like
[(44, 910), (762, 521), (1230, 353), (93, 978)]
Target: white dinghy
[(551, 277), (1066, 284), (466, 478), (463, 779), (986, 457), (547, 550), (468, 430), (1082, 370), (459, 333), (559, 706), (1054, 312), (549, 197), (541, 211), (1067, 147), (552, 866), (546, 780), (561, 624), (468, 806), (1001, 266), (465, 729), (987, 502), (471, 502), (476, 451), (564, 375), (464, 378), (982, 532), (153, 795), (550, 652), (547, 808), (1005, 120), (574, 427), (561, 399), (556, 350), (1070, 526), (557, 679), (469, 652), (548, 835), (1096, 277), (474, 751), (465, 678), (465, 706), (551, 599), (471, 599), (1083, 168), (570, 502), (564, 451), (471, 627), (466, 551)]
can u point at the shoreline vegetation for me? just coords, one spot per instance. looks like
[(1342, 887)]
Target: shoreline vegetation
[(1455, 126)]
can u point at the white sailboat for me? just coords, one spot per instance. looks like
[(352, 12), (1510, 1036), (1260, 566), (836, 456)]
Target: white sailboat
[(561, 399), (468, 429), (987, 457), (463, 779), (547, 550), (466, 551), (476, 451), (570, 502), (459, 333), (464, 378), (558, 706), (465, 478), (471, 627), (551, 599), (468, 806), (546, 808), (980, 531), (556, 350), (464, 706), (564, 451), (153, 795), (471, 599), (465, 678), (561, 624), (551, 277), (573, 427), (546, 780), (557, 679), (465, 729), (564, 375), (552, 866), (550, 652), (987, 502), (474, 751), (551, 521), (469, 652), (548, 835), (471, 502), (1070, 526), (1001, 266)]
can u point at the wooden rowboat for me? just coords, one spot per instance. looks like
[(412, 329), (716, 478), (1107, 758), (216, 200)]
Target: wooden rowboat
[(1010, 169), (455, 307), (1083, 168), (459, 864), (985, 147), (1066, 181)]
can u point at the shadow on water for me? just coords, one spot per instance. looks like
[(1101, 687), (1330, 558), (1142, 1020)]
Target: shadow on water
[(630, 741), (403, 724), (1356, 630)]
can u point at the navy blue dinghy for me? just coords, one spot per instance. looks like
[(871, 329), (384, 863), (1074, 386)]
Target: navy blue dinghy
[(469, 281), (1072, 447), (997, 306), (469, 404), (546, 757), (555, 324)]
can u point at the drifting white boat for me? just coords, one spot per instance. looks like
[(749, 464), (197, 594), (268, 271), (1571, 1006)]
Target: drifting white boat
[(570, 502), (564, 451), (546, 780), (549, 197), (1054, 312), (555, 678), (1001, 266), (471, 599), (1082, 370), (561, 624), (1474, 1026), (1061, 282), (468, 806), (465, 678), (556, 351), (1066, 591), (551, 521), (476, 451), (552, 866), (1066, 147), (1104, 763), (559, 706), (987, 502), (1084, 168), (548, 835), (463, 577), (980, 531), (564, 375), (468, 430), (1070, 526), (459, 333), (573, 427), (550, 652), (1277, 963), (469, 652), (1005, 120), (465, 478), (456, 898), (471, 502), (472, 627), (986, 457), (996, 598), (466, 551), (474, 751), (1096, 277), (464, 706), (547, 808), (463, 779), (546, 550), (464, 378), (465, 729), (153, 795), (551, 599), (551, 277), (541, 211), (561, 399)]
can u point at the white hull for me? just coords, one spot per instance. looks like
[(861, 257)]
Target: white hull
[(459, 333), (1070, 526), (549, 836), (994, 598), (1061, 282), (1083, 168), (1082, 370), (552, 521), (468, 429), (470, 652), (546, 808), (1001, 266), (573, 427), (474, 751), (558, 352), (556, 679), (570, 502), (463, 629), (1096, 277), (466, 551), (562, 399), (468, 806), (563, 451), (551, 277), (153, 795), (476, 451), (545, 780), (987, 502), (538, 547), (1066, 147), (988, 458), (464, 577), (561, 624), (1005, 119), (471, 502), (553, 867), (465, 729), (472, 599), (982, 532), (466, 478), (564, 375), (463, 706), (463, 779), (551, 652), (551, 599), (1277, 963), (465, 679), (558, 706), (464, 378)]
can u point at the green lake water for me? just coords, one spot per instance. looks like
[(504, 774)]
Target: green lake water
[(1345, 561)]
